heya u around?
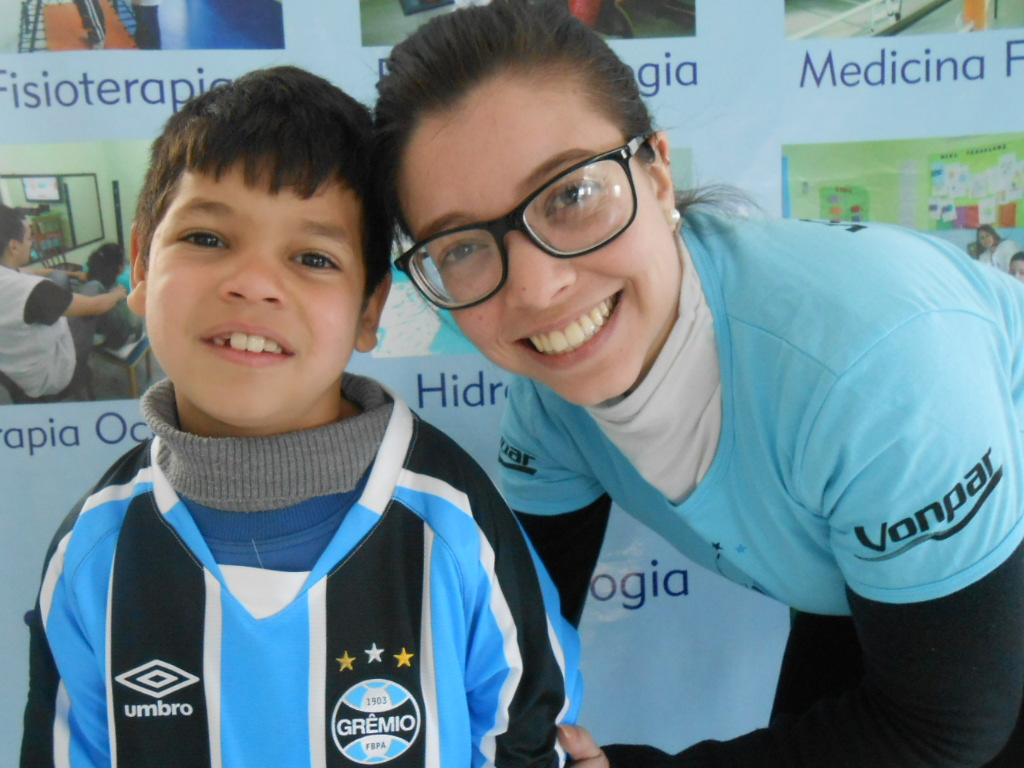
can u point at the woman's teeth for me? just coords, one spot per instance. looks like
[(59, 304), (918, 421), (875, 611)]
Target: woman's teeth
[(251, 343), (576, 333)]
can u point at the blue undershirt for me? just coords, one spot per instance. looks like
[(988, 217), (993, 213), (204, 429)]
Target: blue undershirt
[(288, 539)]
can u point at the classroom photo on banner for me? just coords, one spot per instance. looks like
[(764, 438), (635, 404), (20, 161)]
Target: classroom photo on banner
[(889, 18), (69, 270), (968, 190), (82, 25), (385, 22)]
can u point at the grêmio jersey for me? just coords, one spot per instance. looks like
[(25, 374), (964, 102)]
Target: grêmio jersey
[(872, 416), (422, 637)]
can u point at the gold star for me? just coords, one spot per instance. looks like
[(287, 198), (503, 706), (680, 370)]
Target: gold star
[(346, 662), (404, 658)]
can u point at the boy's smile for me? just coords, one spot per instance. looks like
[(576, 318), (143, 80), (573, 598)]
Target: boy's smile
[(254, 303)]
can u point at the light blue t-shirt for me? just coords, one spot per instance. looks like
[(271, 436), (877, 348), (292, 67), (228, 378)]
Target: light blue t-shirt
[(872, 396)]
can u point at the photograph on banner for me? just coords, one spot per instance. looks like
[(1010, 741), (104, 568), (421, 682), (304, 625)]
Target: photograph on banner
[(413, 327), (886, 18), (386, 22), (83, 25), (968, 190), (66, 332)]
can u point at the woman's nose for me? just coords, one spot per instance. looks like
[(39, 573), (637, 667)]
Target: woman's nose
[(535, 278)]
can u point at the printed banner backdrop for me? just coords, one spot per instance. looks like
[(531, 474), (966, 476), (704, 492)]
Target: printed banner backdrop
[(907, 112)]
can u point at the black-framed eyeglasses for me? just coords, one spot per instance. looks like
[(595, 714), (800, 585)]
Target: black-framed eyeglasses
[(578, 211)]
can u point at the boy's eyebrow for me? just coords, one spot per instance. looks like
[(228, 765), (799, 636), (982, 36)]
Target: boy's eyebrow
[(322, 229), (205, 205), (308, 226)]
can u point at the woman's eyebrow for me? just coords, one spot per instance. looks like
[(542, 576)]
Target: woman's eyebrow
[(528, 184), (552, 166)]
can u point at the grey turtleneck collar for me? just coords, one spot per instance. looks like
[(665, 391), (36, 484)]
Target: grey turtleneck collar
[(255, 474)]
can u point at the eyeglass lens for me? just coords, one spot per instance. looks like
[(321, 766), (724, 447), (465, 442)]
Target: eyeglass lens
[(574, 213)]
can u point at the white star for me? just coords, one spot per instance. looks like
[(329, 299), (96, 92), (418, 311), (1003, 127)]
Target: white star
[(373, 654)]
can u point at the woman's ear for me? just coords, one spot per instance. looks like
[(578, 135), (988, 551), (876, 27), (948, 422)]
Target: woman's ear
[(137, 297), (660, 170)]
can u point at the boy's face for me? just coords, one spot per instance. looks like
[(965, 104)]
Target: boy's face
[(1017, 269), (19, 252), (254, 302)]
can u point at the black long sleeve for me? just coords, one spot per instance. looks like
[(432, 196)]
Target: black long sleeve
[(942, 687), (569, 546), (47, 303)]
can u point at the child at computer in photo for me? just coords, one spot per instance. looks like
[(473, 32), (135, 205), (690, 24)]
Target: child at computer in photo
[(295, 570)]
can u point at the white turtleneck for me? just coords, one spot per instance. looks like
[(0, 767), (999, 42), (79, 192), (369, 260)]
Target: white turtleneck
[(669, 425)]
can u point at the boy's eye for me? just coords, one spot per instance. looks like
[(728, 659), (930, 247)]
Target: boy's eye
[(315, 260), (204, 240)]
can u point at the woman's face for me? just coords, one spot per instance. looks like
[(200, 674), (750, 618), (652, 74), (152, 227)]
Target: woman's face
[(478, 161), (986, 240)]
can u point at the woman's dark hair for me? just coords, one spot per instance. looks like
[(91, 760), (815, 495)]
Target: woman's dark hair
[(991, 230), (105, 264), (445, 59)]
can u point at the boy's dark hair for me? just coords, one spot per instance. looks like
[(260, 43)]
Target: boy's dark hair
[(12, 226), (289, 129), (1018, 256), (440, 63), (105, 264)]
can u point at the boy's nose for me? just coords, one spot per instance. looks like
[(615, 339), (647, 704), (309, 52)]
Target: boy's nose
[(256, 279), (535, 279)]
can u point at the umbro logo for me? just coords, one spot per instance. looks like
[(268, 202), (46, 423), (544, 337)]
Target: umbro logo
[(156, 678)]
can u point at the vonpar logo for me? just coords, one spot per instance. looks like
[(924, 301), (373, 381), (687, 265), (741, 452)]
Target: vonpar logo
[(157, 679), (944, 517), (375, 721)]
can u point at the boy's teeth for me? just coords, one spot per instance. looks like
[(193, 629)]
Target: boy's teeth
[(253, 343), (576, 334)]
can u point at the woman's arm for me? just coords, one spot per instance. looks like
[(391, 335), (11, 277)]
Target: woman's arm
[(942, 686), (569, 546)]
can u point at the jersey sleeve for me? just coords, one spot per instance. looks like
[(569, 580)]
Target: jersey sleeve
[(915, 457), (65, 715), (541, 469), (522, 669)]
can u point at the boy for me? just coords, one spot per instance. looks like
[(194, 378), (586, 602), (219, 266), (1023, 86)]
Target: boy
[(1017, 265), (295, 571)]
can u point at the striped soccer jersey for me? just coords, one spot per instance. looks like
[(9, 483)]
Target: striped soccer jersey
[(422, 637)]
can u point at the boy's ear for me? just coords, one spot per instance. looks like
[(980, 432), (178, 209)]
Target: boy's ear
[(137, 297), (366, 335), (661, 171)]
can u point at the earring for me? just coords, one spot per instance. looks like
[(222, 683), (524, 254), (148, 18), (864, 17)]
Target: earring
[(674, 218)]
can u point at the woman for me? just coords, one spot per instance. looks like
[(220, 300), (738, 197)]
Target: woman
[(828, 415), (993, 249)]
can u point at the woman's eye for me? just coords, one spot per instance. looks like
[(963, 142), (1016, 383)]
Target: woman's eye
[(456, 254), (315, 260), (204, 240), (574, 193)]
